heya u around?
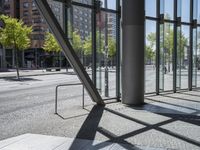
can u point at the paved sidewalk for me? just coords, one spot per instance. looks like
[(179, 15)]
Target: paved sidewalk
[(23, 73), (43, 142), (170, 121)]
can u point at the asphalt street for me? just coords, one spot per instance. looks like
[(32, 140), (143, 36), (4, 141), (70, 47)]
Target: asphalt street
[(28, 106), (25, 104)]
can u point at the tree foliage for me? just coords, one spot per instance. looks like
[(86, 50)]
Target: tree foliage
[(111, 47), (50, 43), (76, 42), (150, 54), (167, 44), (87, 46), (15, 35)]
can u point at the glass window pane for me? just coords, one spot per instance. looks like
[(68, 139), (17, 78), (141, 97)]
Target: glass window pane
[(185, 16), (150, 57), (195, 9), (198, 11), (198, 57), (111, 4), (79, 29), (183, 56), (179, 8), (169, 9), (150, 8), (162, 6), (57, 8), (106, 54), (168, 59), (195, 60)]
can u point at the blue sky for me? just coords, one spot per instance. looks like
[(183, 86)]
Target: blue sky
[(111, 4)]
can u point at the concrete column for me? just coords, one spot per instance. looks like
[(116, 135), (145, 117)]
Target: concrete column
[(133, 52)]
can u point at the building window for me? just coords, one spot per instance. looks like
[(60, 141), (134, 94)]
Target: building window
[(38, 29), (56, 9), (37, 20), (25, 13), (6, 6), (25, 4), (25, 21), (33, 4), (35, 12), (37, 37)]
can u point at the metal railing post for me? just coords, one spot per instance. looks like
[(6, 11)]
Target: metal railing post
[(83, 98), (56, 100), (56, 95)]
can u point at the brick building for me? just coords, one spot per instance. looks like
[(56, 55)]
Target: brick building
[(27, 11)]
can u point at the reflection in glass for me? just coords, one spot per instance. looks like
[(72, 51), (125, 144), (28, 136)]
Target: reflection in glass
[(106, 53), (79, 34)]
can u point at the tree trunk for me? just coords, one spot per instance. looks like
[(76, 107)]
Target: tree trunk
[(17, 62)]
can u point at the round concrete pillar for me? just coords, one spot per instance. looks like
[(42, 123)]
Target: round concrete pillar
[(133, 52)]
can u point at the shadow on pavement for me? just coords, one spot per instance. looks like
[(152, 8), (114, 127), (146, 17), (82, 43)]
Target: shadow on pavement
[(91, 126), (22, 79)]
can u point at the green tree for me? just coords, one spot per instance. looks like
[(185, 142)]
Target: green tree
[(51, 46), (87, 45), (150, 54), (167, 43), (50, 43), (75, 38), (15, 35), (111, 47), (76, 42)]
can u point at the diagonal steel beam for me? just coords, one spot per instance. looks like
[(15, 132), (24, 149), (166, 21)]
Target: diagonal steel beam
[(67, 48)]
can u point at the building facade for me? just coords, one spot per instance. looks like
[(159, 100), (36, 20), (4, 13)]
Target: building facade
[(27, 11)]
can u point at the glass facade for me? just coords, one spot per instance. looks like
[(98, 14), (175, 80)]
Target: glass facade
[(92, 27), (172, 37), (172, 52)]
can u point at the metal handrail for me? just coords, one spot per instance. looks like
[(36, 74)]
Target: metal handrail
[(56, 95)]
